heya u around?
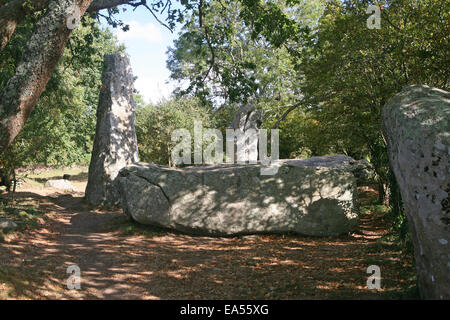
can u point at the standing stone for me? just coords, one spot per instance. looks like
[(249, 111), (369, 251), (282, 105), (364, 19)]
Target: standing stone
[(246, 118), (416, 125), (115, 144)]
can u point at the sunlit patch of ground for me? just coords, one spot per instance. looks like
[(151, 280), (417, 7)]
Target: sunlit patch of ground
[(35, 179), (123, 260)]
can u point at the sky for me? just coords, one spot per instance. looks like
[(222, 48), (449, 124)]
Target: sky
[(146, 43)]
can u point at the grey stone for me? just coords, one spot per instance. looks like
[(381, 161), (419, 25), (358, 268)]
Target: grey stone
[(6, 224), (236, 199), (247, 117), (60, 184), (363, 170), (115, 144), (416, 127)]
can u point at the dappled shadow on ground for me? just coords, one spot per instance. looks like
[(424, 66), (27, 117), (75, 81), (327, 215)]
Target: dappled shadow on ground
[(168, 265)]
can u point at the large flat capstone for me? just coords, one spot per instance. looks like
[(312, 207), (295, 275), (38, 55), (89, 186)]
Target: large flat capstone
[(236, 199)]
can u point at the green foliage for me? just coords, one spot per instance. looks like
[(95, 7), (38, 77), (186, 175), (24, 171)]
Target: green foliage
[(352, 71), (61, 127), (163, 11), (317, 55), (24, 213), (227, 58), (155, 124), (322, 56)]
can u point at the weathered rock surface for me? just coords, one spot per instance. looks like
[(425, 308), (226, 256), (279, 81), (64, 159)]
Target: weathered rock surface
[(115, 144), (236, 199), (362, 169), (416, 125), (247, 117), (6, 224), (60, 184)]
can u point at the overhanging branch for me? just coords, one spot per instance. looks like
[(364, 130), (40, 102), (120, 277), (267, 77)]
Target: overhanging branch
[(285, 114), (14, 12)]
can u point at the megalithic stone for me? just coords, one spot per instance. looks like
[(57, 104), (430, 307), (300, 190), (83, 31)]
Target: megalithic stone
[(115, 144), (416, 125), (246, 117)]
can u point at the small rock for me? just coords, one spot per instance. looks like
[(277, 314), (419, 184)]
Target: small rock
[(60, 184), (250, 237), (7, 224)]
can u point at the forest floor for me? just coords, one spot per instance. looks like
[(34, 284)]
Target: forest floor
[(119, 259)]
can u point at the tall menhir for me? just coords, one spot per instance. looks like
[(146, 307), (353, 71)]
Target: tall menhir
[(115, 144)]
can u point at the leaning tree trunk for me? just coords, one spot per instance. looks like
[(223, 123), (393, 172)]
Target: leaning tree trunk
[(40, 57)]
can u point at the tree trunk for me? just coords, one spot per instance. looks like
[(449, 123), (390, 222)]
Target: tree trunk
[(13, 13), (40, 57)]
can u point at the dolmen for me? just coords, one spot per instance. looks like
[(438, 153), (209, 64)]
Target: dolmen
[(314, 197)]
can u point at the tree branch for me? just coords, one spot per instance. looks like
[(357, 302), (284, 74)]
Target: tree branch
[(108, 4), (14, 12), (208, 39), (285, 114), (154, 16)]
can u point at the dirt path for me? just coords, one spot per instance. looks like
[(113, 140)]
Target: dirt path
[(167, 265)]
